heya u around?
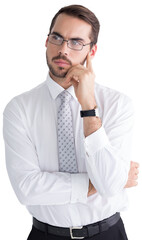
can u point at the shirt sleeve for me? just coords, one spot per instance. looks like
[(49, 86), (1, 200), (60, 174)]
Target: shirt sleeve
[(31, 185), (108, 150)]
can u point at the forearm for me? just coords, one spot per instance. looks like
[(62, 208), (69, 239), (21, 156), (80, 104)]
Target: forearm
[(132, 180), (106, 166), (91, 125)]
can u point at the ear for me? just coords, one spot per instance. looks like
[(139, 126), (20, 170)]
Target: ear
[(93, 51), (46, 42)]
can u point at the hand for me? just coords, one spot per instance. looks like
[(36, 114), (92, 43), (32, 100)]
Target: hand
[(83, 80), (133, 175), (91, 189)]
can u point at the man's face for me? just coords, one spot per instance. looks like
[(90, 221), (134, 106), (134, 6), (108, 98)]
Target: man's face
[(60, 58)]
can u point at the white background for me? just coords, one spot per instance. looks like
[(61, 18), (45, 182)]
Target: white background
[(23, 29)]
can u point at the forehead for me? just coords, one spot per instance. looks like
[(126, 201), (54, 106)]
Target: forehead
[(72, 27)]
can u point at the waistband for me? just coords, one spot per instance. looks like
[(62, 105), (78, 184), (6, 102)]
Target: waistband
[(79, 232)]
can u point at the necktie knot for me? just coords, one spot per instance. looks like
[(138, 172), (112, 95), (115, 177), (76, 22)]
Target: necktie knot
[(65, 97)]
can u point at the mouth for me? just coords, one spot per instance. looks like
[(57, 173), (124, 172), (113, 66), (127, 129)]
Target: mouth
[(61, 63)]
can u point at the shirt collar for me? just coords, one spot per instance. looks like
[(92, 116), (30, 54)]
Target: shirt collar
[(55, 89)]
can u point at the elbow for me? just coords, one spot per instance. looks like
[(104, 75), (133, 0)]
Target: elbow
[(25, 190), (23, 200)]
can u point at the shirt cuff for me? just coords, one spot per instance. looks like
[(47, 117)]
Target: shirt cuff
[(80, 185), (96, 141)]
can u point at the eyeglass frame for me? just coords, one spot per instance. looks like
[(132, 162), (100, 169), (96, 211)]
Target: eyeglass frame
[(64, 40)]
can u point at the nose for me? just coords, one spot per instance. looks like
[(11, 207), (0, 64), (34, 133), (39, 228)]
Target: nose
[(63, 49)]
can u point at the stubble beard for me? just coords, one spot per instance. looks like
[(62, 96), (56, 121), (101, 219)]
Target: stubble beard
[(60, 73)]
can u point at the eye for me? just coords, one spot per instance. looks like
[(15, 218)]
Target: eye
[(76, 42), (56, 37)]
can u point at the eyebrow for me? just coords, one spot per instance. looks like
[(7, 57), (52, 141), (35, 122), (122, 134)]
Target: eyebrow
[(75, 38)]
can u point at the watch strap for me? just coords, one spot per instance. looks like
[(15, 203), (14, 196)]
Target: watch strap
[(88, 113)]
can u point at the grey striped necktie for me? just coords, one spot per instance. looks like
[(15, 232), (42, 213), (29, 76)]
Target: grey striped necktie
[(66, 145)]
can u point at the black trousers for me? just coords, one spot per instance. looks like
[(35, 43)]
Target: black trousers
[(116, 232)]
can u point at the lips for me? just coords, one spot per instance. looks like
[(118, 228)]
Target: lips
[(61, 63)]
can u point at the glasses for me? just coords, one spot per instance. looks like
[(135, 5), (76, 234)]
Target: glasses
[(74, 44)]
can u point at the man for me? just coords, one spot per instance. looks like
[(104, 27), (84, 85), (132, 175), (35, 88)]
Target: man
[(68, 140)]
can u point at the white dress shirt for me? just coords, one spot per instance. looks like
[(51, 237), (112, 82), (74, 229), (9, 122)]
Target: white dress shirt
[(30, 134)]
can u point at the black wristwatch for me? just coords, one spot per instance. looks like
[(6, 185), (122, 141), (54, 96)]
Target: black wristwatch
[(88, 113)]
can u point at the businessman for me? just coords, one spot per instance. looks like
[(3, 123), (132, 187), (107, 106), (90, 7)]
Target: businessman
[(68, 140)]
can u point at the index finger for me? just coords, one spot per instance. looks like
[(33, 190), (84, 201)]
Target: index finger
[(89, 63)]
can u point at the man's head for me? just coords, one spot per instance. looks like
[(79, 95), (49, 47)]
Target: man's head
[(78, 25)]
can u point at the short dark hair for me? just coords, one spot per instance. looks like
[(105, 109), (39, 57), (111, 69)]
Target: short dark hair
[(83, 13)]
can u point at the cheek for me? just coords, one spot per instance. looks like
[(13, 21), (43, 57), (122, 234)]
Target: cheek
[(79, 58), (51, 51), (50, 54)]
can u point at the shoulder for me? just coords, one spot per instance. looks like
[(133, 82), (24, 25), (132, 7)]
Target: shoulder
[(111, 96), (112, 103), (28, 98)]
